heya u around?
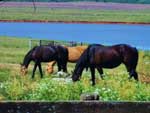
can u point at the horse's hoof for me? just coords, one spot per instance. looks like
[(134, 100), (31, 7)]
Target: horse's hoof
[(93, 84)]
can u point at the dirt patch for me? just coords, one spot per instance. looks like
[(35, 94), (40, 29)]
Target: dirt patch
[(83, 22)]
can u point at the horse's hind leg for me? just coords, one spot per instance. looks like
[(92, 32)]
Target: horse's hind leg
[(132, 72), (130, 62), (100, 70), (59, 65), (40, 69)]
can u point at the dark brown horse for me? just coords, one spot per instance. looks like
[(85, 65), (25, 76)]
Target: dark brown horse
[(45, 53), (99, 56)]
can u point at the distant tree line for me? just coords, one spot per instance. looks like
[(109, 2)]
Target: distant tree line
[(118, 1)]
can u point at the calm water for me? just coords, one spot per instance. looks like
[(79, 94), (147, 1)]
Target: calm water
[(136, 35)]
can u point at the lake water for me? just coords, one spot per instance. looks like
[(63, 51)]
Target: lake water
[(135, 35)]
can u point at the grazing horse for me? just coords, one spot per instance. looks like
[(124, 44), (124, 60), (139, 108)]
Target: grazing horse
[(45, 53), (74, 54), (99, 56)]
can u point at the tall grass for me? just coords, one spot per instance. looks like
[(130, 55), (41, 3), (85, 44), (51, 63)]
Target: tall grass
[(114, 87), (53, 14)]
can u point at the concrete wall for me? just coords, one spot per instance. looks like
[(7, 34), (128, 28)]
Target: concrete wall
[(75, 107)]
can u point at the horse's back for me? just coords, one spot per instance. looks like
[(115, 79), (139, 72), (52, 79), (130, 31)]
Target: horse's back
[(44, 53), (81, 48), (122, 49), (112, 56), (75, 52), (126, 50)]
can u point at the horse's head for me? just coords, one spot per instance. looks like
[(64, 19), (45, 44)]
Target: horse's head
[(50, 69), (76, 74), (80, 65), (23, 70)]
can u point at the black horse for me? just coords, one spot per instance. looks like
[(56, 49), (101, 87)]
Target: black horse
[(99, 56), (45, 53)]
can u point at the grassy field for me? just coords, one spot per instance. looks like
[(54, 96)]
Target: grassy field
[(114, 87), (69, 15)]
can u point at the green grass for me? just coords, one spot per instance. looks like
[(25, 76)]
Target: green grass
[(12, 50), (114, 87), (47, 14)]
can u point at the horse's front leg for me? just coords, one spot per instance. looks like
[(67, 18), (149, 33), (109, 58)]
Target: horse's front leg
[(64, 67), (93, 75), (40, 69), (100, 70), (59, 65), (33, 72)]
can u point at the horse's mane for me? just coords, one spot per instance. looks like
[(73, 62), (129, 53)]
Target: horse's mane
[(31, 51), (81, 48), (27, 56), (84, 58)]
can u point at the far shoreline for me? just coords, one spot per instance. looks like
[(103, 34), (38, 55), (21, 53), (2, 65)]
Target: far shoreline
[(76, 22)]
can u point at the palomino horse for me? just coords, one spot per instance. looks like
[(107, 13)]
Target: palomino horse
[(45, 53), (74, 54), (99, 56)]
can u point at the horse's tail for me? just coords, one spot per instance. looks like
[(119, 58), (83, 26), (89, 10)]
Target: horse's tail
[(31, 50), (128, 50), (136, 57), (87, 57)]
